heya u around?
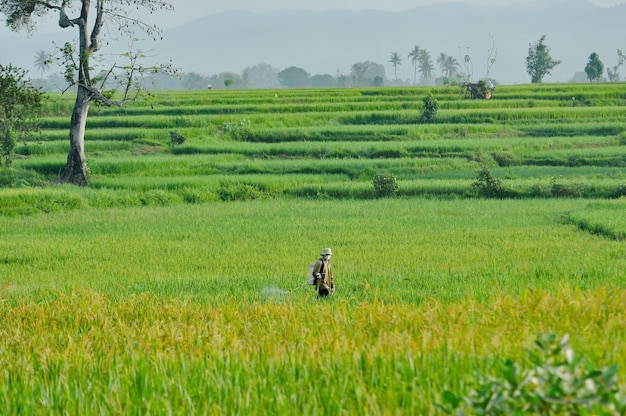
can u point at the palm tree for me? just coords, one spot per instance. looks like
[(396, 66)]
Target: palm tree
[(414, 57), (440, 61), (395, 60), (42, 61), (450, 67), (426, 65)]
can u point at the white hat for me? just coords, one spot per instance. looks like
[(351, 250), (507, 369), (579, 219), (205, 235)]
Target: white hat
[(326, 251)]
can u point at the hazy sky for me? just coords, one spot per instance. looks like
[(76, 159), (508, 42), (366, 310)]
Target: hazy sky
[(190, 9), (185, 10)]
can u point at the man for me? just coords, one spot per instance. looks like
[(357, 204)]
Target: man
[(323, 274)]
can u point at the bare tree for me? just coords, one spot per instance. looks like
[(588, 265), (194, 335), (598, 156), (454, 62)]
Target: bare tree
[(613, 73), (468, 64), (493, 56), (21, 14)]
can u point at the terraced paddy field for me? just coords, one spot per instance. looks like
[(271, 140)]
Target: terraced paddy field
[(173, 284)]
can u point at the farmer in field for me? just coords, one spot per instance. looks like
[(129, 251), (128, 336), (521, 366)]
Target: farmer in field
[(323, 274)]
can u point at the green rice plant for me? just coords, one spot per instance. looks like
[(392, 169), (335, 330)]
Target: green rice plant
[(604, 219), (589, 128), (526, 132), (346, 147), (108, 134), (466, 262), (27, 201), (57, 147), (602, 156), (20, 178)]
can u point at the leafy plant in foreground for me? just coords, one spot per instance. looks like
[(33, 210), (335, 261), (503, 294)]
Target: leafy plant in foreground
[(556, 382)]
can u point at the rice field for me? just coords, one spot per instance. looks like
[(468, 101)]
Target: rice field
[(175, 283)]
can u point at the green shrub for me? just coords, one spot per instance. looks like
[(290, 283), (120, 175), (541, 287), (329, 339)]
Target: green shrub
[(487, 185), (196, 196), (232, 191), (177, 138), (560, 189), (240, 130), (505, 159), (620, 191), (158, 197), (385, 185), (430, 106), (552, 381)]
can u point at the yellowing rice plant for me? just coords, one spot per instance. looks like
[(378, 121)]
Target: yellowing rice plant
[(143, 354)]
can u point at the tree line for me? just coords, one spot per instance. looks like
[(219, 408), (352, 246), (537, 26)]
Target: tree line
[(445, 69)]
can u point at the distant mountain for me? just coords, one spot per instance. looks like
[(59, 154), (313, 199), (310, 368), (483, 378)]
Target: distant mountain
[(331, 41)]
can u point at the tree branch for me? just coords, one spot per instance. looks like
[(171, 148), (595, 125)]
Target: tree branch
[(50, 6), (95, 33), (148, 29)]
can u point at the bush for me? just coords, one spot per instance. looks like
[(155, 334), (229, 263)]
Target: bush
[(177, 138), (504, 159), (620, 191), (385, 185), (429, 109), (231, 191), (240, 130), (487, 185), (560, 189), (158, 197), (556, 382)]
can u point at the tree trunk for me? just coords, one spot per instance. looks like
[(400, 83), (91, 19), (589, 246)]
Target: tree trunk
[(76, 169)]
